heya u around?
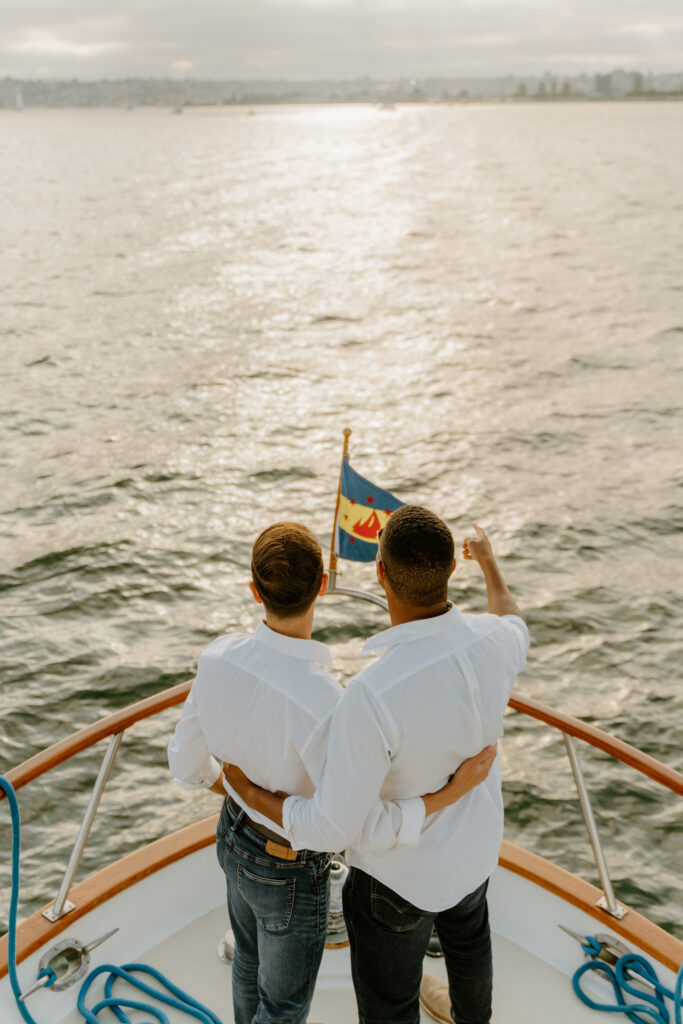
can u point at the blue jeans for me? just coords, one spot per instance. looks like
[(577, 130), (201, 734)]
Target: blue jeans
[(389, 938), (278, 913)]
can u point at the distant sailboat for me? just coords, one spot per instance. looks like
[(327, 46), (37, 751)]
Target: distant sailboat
[(19, 102)]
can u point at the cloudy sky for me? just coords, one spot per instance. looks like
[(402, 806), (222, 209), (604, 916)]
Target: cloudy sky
[(335, 38)]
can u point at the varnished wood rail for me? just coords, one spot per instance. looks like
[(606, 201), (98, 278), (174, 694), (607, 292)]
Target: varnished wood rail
[(84, 738), (59, 752), (618, 749)]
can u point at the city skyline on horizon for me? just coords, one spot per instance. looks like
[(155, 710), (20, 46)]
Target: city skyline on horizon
[(547, 73)]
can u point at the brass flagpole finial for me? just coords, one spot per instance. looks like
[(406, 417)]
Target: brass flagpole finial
[(333, 546)]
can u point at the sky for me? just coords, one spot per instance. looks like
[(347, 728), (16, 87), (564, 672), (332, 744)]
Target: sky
[(308, 39)]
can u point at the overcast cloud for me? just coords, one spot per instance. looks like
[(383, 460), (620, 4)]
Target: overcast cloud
[(231, 39)]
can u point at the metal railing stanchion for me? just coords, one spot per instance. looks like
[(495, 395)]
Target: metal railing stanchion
[(61, 905), (607, 902)]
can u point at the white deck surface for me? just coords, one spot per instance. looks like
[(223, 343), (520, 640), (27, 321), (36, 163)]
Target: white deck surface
[(526, 990), (175, 919)]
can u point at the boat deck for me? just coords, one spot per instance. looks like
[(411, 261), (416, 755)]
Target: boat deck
[(526, 990), (175, 918)]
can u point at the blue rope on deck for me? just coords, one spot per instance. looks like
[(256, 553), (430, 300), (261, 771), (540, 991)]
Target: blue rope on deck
[(167, 993), (630, 968)]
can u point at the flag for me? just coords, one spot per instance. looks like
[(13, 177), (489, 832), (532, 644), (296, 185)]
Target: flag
[(363, 510)]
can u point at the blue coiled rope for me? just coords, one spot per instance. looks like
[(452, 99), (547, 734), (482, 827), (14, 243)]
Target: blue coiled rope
[(628, 969), (167, 993)]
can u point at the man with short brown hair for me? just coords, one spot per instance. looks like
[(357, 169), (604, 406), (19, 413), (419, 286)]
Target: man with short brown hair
[(287, 570)]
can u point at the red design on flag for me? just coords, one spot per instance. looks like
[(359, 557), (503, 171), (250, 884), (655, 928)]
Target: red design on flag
[(368, 528), (370, 499)]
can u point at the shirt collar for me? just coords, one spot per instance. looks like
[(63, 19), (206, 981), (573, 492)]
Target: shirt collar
[(415, 630), (307, 650)]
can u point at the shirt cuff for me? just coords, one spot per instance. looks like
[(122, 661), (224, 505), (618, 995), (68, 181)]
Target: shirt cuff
[(287, 811), (413, 812), (204, 779)]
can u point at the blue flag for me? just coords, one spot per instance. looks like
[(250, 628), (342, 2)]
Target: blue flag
[(363, 510)]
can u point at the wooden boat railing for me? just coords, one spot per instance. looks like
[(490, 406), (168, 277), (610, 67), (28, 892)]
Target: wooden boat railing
[(113, 726)]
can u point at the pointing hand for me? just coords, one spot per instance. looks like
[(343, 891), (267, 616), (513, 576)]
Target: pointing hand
[(476, 547)]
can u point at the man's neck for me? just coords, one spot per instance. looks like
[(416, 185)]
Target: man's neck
[(298, 627), (400, 613)]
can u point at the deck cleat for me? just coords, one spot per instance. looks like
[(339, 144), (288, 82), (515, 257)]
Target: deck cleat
[(65, 964), (598, 947)]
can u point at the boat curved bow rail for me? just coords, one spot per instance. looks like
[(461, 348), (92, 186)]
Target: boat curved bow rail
[(113, 727)]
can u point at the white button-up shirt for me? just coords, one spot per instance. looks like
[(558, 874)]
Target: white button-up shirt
[(435, 697), (264, 701)]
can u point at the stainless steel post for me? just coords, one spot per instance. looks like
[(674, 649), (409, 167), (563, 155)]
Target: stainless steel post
[(608, 901), (61, 905)]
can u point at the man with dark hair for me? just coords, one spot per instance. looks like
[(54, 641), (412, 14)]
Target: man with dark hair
[(265, 700), (436, 695), (418, 556)]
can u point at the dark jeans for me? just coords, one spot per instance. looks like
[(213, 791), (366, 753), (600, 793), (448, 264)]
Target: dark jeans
[(389, 938), (278, 912)]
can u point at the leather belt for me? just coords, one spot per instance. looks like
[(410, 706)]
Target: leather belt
[(276, 845)]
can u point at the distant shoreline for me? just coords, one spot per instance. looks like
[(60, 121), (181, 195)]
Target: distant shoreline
[(617, 86), (473, 101)]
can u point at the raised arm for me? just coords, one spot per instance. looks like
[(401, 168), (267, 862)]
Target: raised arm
[(477, 548)]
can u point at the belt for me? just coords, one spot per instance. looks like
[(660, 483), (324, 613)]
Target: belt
[(276, 845)]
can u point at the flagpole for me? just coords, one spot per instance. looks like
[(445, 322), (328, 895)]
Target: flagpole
[(333, 553)]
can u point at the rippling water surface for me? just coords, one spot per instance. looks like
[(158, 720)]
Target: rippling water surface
[(191, 308)]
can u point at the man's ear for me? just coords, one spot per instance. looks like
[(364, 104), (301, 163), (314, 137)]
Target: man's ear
[(323, 585), (455, 562), (254, 592), (381, 572)]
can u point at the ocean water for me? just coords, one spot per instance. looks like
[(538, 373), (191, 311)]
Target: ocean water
[(191, 310)]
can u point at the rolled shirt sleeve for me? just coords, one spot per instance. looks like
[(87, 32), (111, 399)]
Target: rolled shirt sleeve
[(398, 823), (516, 641), (192, 764), (413, 814), (361, 740)]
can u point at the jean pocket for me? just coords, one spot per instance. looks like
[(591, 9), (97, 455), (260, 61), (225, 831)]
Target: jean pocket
[(271, 899), (391, 910)]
